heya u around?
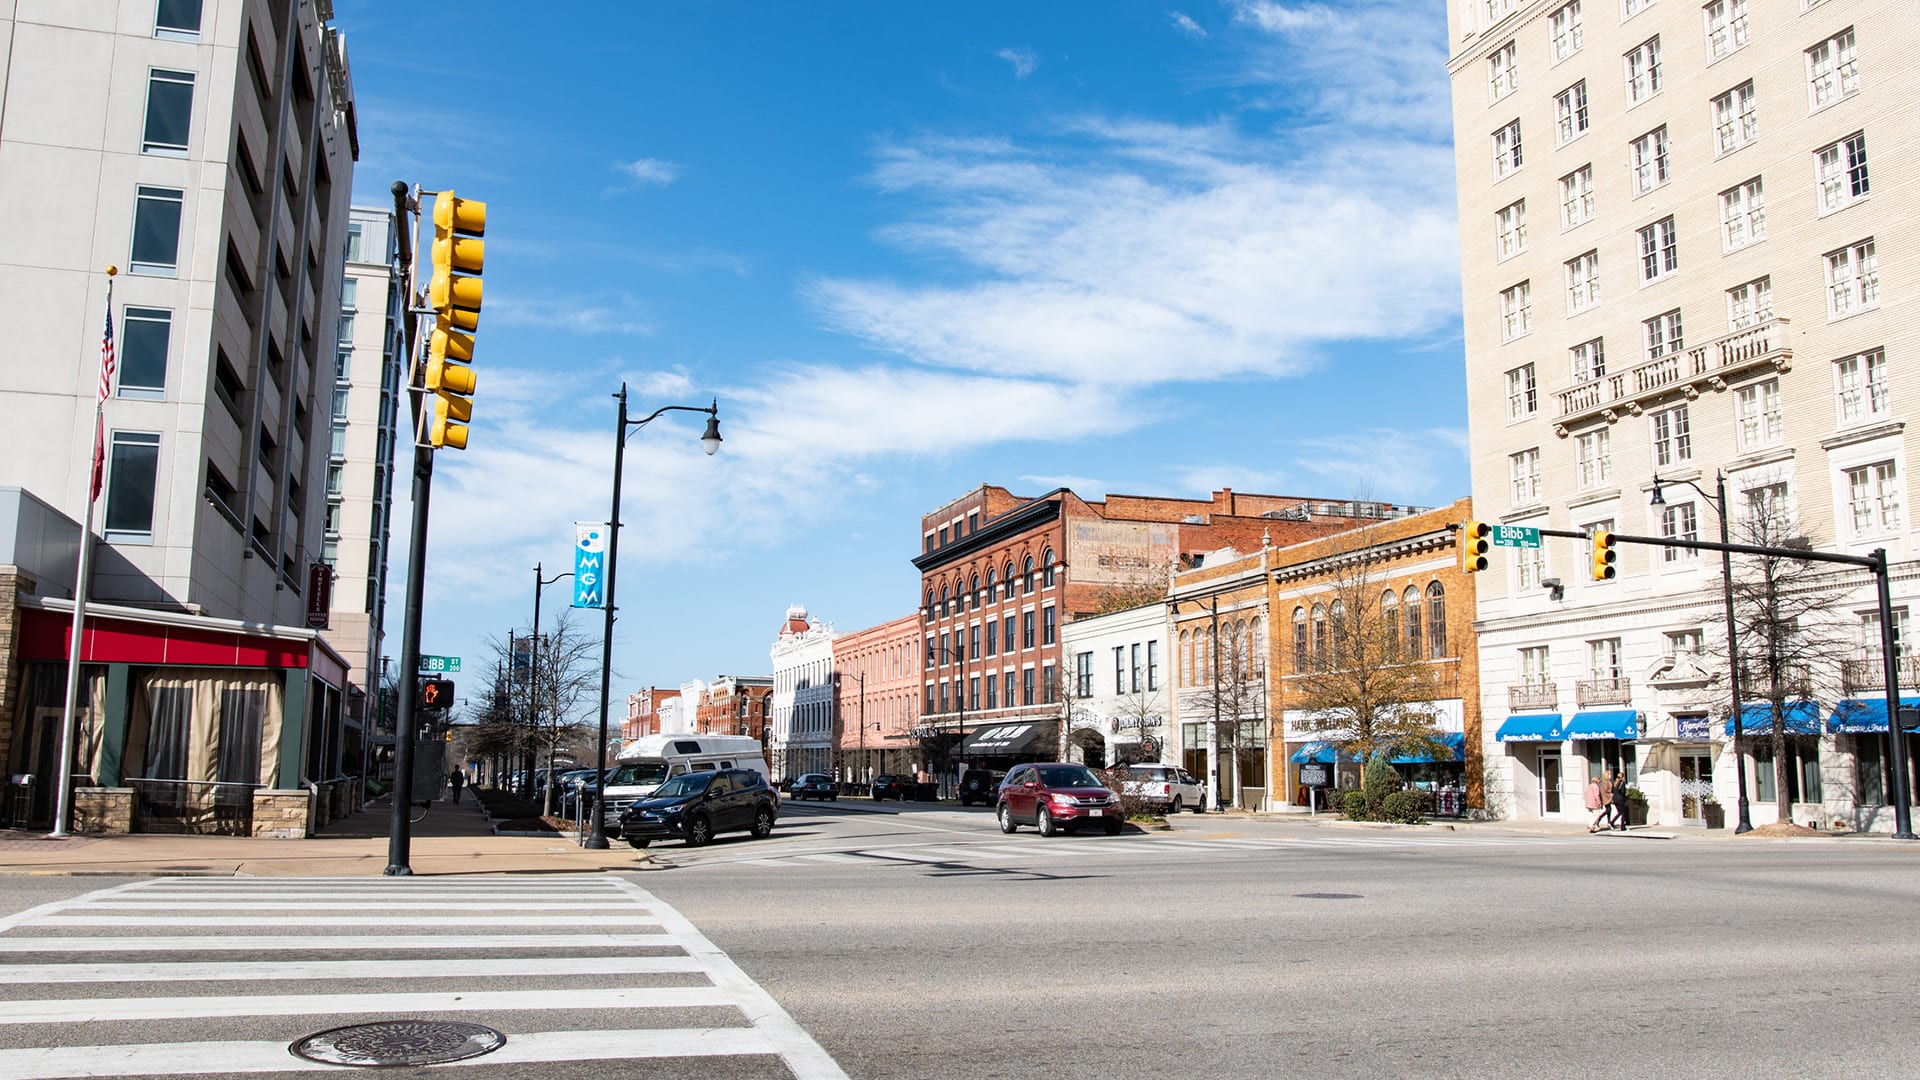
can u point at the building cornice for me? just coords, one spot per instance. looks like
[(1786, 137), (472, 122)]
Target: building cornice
[(1005, 527)]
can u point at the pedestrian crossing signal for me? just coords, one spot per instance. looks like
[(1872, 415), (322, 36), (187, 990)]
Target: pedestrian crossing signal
[(436, 693)]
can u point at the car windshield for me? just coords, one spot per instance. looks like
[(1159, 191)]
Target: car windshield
[(692, 783), (1068, 776), (637, 772), (814, 778)]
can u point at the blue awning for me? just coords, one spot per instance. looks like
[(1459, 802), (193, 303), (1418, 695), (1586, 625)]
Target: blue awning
[(1314, 751), (1803, 718), (1454, 740), (1861, 716), (1605, 724), (1532, 727)]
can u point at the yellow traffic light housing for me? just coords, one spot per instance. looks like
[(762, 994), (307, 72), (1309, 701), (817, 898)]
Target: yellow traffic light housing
[(1473, 546), (1603, 555), (447, 423), (454, 293)]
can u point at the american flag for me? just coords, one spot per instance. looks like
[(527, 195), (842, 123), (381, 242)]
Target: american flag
[(106, 389)]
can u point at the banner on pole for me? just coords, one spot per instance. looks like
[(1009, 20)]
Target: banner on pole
[(589, 564)]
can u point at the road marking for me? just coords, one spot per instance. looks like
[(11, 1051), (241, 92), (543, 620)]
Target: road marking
[(317, 920), (331, 943), (91, 1010), (269, 970), (827, 856), (352, 905)]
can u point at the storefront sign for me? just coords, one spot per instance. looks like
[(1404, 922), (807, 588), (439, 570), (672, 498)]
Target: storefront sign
[(1694, 728), (1314, 774), (319, 595)]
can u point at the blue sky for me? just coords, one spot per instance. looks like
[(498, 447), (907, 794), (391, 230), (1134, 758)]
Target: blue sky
[(911, 248)]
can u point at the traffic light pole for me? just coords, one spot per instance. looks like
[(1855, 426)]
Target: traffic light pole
[(400, 836)]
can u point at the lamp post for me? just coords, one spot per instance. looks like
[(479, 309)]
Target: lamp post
[(710, 441), (1744, 824), (533, 670)]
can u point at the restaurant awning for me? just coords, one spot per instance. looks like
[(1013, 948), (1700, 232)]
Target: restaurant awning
[(1862, 716), (1314, 751), (1007, 740), (1605, 724), (1803, 718), (1532, 727), (1454, 740)]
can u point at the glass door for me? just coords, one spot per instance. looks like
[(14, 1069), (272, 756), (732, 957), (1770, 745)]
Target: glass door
[(1549, 782), (1696, 784)]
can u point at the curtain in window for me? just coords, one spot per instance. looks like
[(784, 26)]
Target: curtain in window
[(165, 713), (206, 724), (242, 712), (46, 684)]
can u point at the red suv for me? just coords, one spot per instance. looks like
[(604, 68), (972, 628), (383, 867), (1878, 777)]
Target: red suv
[(1056, 795)]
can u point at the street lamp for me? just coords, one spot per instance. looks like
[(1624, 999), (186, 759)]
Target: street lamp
[(533, 672), (1719, 502), (710, 441)]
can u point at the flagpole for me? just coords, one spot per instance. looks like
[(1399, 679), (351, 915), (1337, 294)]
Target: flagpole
[(64, 780)]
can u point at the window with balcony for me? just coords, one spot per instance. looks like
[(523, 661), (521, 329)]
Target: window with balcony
[(1833, 70), (1736, 119), (1523, 397), (1603, 661), (1742, 215), (1860, 387), (1841, 169), (1594, 458), (1659, 250), (1853, 280), (1583, 282), (1750, 304), (1726, 27), (1678, 522), (1576, 197), (1756, 410), (1506, 150), (1570, 113), (1873, 498), (1536, 667), (1662, 334), (1502, 76), (1643, 71), (1672, 435), (1587, 361), (1516, 311), (1523, 473), (1510, 230), (1565, 34), (1647, 156)]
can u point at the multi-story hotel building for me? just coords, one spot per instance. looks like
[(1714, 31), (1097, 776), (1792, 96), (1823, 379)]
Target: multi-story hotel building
[(1686, 233)]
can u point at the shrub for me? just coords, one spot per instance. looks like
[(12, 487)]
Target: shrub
[(1353, 805), (1407, 807)]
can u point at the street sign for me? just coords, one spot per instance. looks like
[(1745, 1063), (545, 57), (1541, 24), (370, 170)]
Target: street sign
[(1515, 536), (589, 564), (437, 665)]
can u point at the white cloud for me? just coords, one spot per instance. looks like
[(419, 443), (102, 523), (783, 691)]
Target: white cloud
[(644, 171), (1279, 18), (1213, 477), (619, 314), (1397, 466), (1023, 59), (1185, 24), (1373, 65)]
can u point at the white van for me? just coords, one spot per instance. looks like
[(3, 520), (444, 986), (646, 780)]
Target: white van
[(651, 760)]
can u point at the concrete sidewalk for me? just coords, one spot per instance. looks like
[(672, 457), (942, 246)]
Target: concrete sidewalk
[(451, 839)]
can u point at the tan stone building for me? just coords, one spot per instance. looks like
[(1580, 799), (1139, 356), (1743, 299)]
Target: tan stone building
[(1685, 230)]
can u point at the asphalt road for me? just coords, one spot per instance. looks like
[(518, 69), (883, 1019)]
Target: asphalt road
[(925, 944)]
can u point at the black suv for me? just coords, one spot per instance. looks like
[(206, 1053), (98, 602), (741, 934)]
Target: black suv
[(979, 786), (695, 806)]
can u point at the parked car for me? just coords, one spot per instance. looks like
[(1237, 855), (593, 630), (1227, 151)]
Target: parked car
[(979, 786), (1168, 787), (697, 806), (815, 785), (1056, 795), (889, 786)]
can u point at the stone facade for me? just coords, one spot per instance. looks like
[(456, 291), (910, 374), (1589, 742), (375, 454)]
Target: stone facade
[(103, 810), (280, 814)]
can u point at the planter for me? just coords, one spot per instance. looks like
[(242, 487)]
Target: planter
[(1636, 812), (1714, 815)]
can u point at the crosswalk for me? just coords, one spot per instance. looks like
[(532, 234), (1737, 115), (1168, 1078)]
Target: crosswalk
[(1027, 851), (203, 976)]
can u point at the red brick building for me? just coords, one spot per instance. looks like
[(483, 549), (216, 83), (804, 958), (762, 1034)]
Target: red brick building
[(734, 705), (1000, 573), (643, 712), (877, 700)]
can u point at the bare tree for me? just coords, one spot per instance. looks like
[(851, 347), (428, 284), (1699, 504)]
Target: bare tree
[(1235, 693), (551, 688)]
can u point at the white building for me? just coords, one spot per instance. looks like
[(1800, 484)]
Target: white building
[(1684, 231), (1118, 687), (800, 732)]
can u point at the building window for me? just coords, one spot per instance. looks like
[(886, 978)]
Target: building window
[(1743, 218), (1603, 660), (1757, 410), (1006, 589), (1576, 197), (989, 642), (1006, 634), (156, 231), (169, 113), (1436, 620), (1833, 70), (1299, 639), (1595, 457), (132, 470), (1510, 229), (1502, 79), (1082, 674), (1765, 507), (1659, 250), (1842, 172), (1750, 304), (1643, 71), (1523, 469), (1583, 282), (1564, 26), (1133, 655), (1726, 27), (1026, 578), (1648, 157), (1516, 311), (1497, 10), (1682, 643), (144, 337), (1672, 436), (1026, 629), (1677, 522), (1570, 113), (1588, 360), (1026, 686), (973, 692), (973, 640), (1635, 7), (1736, 121), (1536, 669), (1046, 628), (1506, 150), (1523, 398), (1046, 571), (177, 20), (1860, 381), (1853, 282), (1153, 664), (993, 691), (1873, 495), (1663, 335), (1410, 603)]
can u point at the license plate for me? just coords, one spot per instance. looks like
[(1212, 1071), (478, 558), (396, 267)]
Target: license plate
[(1096, 813)]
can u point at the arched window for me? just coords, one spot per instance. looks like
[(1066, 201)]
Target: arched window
[(1390, 621), (1256, 648), (993, 585), (1436, 620), (1186, 658), (1299, 640), (944, 595), (929, 605), (1026, 582), (1046, 560), (973, 591), (1319, 636), (1337, 616), (1416, 645), (1007, 587)]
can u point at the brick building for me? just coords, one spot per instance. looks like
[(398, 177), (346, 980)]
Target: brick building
[(643, 712), (735, 705), (877, 699)]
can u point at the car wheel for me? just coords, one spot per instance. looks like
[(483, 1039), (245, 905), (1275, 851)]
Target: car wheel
[(1006, 819), (1043, 822), (1175, 808), (877, 796), (762, 824), (699, 831), (638, 843), (834, 798), (1113, 826)]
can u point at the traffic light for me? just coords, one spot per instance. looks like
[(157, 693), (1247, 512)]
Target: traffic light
[(436, 693), (1603, 555), (454, 293), (1473, 546)]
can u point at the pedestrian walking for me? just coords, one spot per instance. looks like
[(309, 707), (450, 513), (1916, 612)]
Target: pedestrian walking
[(1619, 802), (1596, 805), (458, 780)]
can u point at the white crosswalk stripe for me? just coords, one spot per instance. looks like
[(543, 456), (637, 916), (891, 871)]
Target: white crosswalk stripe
[(505, 953)]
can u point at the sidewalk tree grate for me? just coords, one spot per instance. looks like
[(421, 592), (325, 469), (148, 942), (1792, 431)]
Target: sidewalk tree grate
[(399, 1042)]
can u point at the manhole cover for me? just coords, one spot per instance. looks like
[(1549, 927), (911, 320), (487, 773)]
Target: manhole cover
[(399, 1042), (1327, 896)]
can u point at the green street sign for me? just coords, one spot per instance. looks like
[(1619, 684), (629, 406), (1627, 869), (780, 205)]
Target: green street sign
[(439, 665), (1515, 536)]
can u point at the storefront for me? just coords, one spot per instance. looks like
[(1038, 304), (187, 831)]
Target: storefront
[(1534, 743)]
